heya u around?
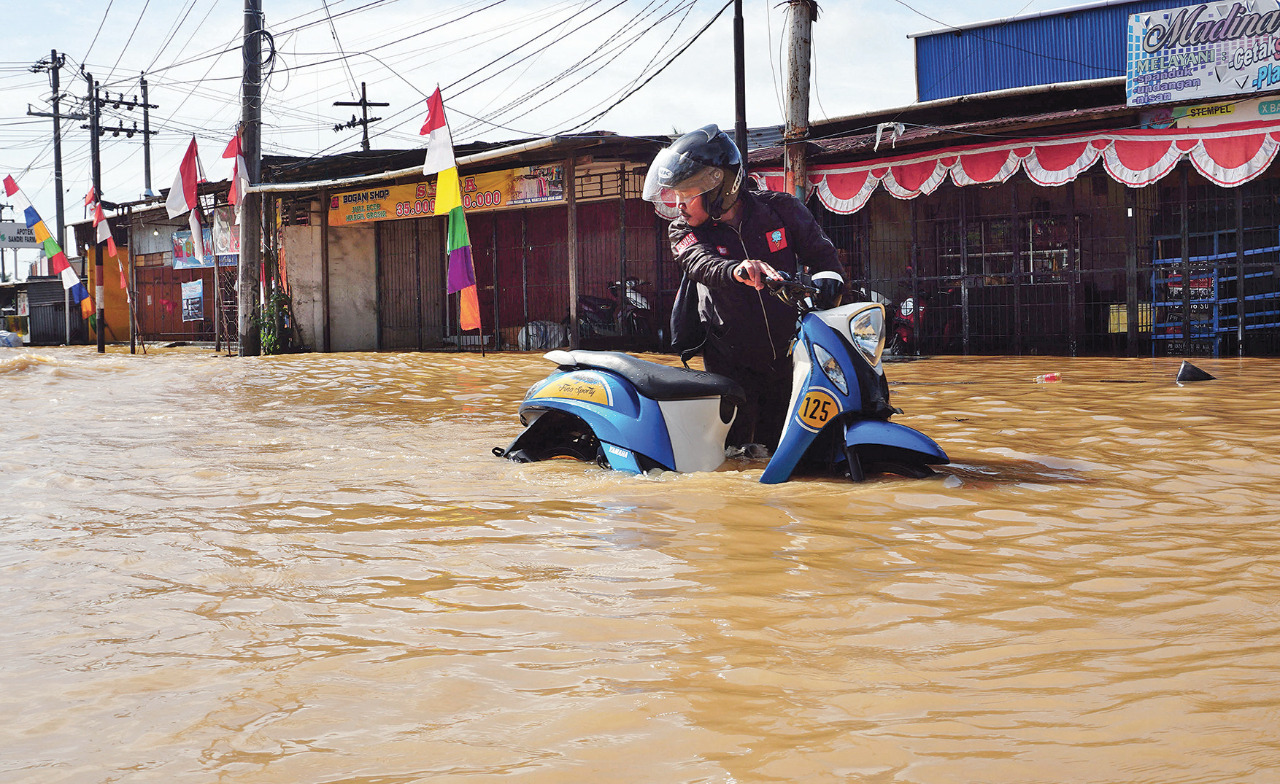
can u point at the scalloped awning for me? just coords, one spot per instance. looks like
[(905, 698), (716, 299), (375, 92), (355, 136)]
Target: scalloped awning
[(1227, 155)]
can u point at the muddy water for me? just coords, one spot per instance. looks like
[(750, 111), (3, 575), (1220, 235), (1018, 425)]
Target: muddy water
[(310, 569)]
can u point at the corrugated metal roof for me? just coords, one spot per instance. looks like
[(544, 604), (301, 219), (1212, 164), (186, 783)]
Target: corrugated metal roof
[(1072, 44), (862, 146)]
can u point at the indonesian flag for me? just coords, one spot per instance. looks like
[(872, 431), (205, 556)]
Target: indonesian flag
[(197, 234), (239, 172), (90, 197), (104, 230), (439, 141), (440, 162), (182, 196)]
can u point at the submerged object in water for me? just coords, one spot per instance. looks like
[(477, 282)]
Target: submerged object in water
[(1188, 372)]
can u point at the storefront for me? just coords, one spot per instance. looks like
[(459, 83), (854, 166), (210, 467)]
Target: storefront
[(366, 262)]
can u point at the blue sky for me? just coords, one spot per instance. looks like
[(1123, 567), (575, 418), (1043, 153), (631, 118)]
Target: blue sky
[(862, 61)]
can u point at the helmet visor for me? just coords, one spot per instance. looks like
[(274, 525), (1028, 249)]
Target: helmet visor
[(674, 176)]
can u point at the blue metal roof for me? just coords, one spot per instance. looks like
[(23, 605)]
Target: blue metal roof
[(1069, 45)]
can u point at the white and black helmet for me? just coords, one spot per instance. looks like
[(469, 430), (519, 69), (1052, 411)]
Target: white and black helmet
[(706, 162)]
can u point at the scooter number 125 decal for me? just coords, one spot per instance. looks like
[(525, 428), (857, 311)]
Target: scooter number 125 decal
[(817, 408)]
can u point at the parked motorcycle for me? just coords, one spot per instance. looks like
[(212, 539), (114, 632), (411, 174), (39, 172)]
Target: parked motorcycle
[(626, 314), (632, 415)]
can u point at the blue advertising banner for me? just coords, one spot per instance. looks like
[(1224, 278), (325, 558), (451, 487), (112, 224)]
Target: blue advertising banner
[(1202, 51)]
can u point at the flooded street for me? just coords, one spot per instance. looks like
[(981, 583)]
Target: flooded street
[(312, 569)]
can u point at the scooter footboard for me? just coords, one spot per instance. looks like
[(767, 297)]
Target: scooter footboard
[(877, 441)]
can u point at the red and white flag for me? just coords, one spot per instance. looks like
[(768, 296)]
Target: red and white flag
[(90, 197), (439, 140), (104, 230), (197, 234), (239, 172), (182, 196)]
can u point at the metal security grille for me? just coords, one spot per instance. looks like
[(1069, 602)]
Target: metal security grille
[(1091, 267)]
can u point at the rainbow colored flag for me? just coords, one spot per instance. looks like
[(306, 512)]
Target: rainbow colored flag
[(57, 259), (440, 162), (462, 272)]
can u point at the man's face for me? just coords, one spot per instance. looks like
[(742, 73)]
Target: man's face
[(692, 208)]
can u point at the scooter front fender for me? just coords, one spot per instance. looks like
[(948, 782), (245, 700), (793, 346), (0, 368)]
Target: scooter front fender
[(892, 439)]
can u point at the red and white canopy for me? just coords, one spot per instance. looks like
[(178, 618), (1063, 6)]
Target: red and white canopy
[(1228, 155)]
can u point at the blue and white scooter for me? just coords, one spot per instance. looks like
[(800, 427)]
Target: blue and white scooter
[(633, 415)]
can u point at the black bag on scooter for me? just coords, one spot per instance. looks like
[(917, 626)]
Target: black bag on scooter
[(688, 332)]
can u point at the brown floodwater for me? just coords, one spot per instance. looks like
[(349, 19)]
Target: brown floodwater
[(312, 569)]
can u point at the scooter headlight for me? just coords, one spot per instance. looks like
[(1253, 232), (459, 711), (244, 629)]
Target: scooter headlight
[(830, 368), (866, 327)]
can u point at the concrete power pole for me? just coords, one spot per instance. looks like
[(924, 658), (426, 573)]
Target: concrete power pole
[(739, 84), (54, 66), (99, 248), (799, 42), (251, 217)]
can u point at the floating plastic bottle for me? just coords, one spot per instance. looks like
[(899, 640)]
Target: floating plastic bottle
[(1048, 378)]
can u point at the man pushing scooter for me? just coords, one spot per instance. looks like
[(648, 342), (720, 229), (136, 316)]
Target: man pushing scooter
[(729, 239)]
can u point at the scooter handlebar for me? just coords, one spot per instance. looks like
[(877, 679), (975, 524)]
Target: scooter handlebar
[(795, 290)]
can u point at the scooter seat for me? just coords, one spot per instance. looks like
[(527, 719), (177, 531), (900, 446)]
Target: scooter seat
[(655, 381)]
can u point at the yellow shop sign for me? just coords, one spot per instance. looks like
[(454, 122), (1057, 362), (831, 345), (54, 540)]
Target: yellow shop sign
[(507, 189)]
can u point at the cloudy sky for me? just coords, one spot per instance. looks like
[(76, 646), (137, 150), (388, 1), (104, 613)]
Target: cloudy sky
[(508, 69)]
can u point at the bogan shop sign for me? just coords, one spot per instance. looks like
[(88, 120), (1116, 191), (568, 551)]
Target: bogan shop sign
[(512, 188), (1203, 51)]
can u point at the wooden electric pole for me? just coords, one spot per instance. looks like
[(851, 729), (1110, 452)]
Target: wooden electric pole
[(99, 248), (54, 66), (364, 103), (739, 85), (251, 219), (796, 132)]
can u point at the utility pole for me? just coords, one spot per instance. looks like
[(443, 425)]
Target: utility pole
[(146, 140), (251, 224), (364, 103), (98, 247), (96, 132), (739, 85), (799, 43), (54, 67)]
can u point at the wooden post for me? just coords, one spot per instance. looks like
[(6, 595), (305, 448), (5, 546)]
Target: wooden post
[(1186, 260), (571, 242), (1131, 270), (1241, 290), (324, 271), (799, 44)]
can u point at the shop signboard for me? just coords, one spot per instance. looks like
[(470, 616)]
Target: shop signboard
[(507, 189), (1206, 115), (1202, 51), (17, 235)]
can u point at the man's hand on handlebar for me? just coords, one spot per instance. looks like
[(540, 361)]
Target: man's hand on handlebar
[(754, 273)]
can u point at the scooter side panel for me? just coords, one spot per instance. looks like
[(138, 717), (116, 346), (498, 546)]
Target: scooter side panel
[(810, 389), (892, 434), (612, 409)]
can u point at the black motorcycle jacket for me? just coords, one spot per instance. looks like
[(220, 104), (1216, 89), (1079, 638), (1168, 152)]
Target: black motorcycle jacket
[(753, 326)]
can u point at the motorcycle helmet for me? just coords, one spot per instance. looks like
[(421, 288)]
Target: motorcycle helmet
[(706, 162)]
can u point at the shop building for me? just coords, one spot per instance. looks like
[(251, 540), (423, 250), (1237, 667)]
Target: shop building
[(365, 258), (1041, 198)]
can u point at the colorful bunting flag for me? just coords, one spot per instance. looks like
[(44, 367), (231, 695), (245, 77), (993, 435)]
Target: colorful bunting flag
[(57, 259), (440, 161)]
